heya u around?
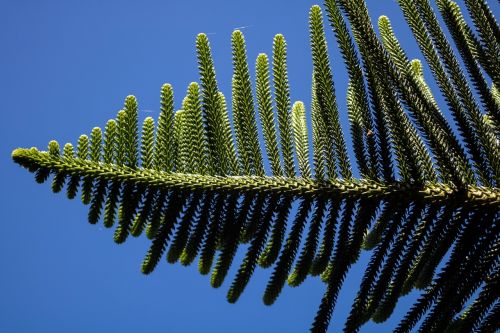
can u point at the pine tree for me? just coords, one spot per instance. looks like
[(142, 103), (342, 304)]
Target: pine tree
[(197, 186)]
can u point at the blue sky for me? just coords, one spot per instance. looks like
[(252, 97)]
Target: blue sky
[(66, 66)]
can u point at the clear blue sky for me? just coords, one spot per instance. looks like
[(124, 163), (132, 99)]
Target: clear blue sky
[(66, 66)]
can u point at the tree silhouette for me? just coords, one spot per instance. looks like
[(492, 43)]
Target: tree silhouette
[(196, 184)]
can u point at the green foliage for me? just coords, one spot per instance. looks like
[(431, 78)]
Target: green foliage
[(283, 104), (264, 101), (198, 187)]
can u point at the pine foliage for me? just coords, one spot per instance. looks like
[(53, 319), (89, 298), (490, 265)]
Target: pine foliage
[(427, 205)]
